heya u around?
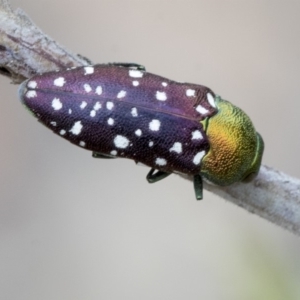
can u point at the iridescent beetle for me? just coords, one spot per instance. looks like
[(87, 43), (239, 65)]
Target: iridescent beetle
[(120, 110)]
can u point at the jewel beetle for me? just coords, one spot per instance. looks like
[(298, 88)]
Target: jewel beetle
[(120, 110)]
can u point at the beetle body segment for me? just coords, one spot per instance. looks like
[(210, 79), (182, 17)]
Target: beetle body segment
[(119, 111)]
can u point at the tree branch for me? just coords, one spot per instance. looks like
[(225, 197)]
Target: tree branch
[(272, 195), (25, 50)]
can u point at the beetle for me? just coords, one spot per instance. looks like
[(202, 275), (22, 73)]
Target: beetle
[(120, 110)]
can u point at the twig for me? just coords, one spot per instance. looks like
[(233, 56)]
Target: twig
[(272, 195), (26, 50)]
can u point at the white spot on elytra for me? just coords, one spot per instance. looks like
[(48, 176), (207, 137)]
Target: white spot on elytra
[(136, 73), (110, 121), (161, 96), (160, 161), (77, 127), (151, 144), (83, 104), (154, 125), (202, 110), (211, 99), (32, 84), (93, 113), (97, 106), (177, 147), (164, 84), (31, 94), (121, 94), (98, 90), (56, 104), (134, 112), (60, 81), (87, 87), (113, 152), (82, 144), (121, 141), (62, 132), (138, 132), (70, 111), (135, 83), (109, 105), (88, 70), (198, 157), (190, 93), (197, 135), (53, 123)]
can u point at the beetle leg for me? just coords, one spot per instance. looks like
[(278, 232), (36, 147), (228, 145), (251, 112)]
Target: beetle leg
[(130, 65), (101, 155), (154, 177), (198, 187), (87, 60)]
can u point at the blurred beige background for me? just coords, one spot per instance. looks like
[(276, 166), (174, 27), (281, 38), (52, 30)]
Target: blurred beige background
[(72, 227)]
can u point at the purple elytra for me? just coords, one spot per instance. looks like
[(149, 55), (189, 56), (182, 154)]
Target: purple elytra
[(125, 112)]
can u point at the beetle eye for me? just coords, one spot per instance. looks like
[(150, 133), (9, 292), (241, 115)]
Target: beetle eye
[(249, 177)]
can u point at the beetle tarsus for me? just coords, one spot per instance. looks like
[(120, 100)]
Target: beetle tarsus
[(154, 177), (198, 187), (129, 65), (101, 155), (87, 60)]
